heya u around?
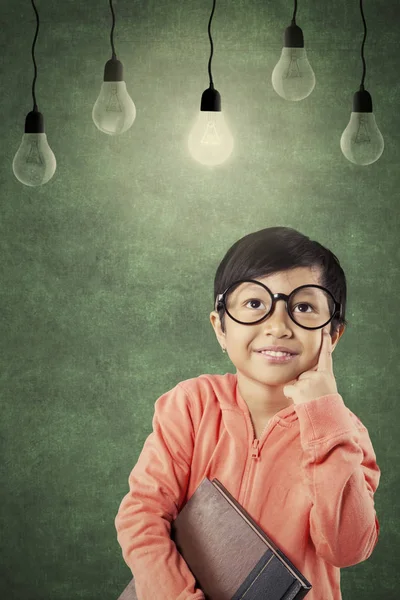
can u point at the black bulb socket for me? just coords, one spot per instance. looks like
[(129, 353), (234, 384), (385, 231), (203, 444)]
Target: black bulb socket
[(293, 37), (362, 101), (34, 122), (113, 70), (211, 100)]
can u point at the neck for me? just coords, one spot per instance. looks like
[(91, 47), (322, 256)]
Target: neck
[(263, 400)]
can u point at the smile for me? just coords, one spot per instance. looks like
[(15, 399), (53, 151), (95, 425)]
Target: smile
[(277, 357)]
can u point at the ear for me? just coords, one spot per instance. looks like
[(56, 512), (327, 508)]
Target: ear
[(216, 324), (337, 335)]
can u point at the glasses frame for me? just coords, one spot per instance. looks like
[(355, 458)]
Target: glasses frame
[(220, 302)]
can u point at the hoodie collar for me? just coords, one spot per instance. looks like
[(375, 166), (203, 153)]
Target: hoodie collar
[(285, 416)]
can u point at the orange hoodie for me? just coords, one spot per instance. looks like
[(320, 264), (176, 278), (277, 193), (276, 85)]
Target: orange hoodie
[(308, 482)]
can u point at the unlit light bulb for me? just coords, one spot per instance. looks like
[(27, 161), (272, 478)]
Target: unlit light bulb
[(114, 111), (34, 163), (210, 140), (293, 77), (362, 142)]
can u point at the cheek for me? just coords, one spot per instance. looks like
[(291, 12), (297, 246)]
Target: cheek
[(311, 350), (239, 339)]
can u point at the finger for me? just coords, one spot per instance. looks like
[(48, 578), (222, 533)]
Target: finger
[(308, 374), (288, 390), (325, 354)]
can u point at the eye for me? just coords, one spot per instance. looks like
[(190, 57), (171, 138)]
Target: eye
[(256, 304), (303, 304)]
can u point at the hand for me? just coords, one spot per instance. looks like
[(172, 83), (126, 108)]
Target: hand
[(316, 382)]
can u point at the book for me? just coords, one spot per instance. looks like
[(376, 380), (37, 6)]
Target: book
[(229, 555)]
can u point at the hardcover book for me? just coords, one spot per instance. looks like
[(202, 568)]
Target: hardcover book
[(229, 555)]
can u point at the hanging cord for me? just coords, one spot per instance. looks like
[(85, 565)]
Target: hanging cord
[(294, 13), (35, 108), (212, 47), (112, 31), (362, 46)]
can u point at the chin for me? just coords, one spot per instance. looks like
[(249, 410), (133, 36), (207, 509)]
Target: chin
[(273, 380)]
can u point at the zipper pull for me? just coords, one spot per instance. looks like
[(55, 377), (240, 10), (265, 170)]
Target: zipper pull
[(256, 451)]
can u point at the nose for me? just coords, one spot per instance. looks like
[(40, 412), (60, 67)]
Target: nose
[(278, 320)]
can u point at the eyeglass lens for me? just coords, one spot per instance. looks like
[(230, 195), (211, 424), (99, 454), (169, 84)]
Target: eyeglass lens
[(309, 306)]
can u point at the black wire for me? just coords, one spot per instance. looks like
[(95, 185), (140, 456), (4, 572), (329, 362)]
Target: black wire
[(212, 47), (362, 46), (112, 31), (33, 56), (294, 13)]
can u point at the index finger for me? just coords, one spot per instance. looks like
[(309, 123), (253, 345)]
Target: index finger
[(325, 353)]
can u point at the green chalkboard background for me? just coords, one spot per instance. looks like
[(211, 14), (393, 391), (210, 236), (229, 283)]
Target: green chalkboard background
[(106, 272)]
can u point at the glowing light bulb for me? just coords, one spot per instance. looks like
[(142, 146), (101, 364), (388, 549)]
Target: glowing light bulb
[(114, 111), (293, 77), (34, 163), (210, 141), (362, 142)]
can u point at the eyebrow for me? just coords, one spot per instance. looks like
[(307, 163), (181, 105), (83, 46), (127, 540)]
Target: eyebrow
[(248, 285), (308, 292), (303, 290)]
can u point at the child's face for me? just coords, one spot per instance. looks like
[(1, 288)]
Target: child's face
[(243, 341)]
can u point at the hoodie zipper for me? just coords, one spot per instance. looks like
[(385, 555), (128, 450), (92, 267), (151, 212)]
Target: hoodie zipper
[(255, 453)]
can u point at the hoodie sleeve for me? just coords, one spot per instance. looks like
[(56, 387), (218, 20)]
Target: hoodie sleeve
[(157, 489), (342, 476)]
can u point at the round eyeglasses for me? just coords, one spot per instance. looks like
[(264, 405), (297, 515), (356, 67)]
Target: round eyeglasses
[(248, 302)]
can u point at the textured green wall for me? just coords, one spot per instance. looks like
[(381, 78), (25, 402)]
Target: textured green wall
[(107, 270)]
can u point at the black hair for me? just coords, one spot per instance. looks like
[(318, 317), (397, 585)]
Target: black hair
[(276, 249)]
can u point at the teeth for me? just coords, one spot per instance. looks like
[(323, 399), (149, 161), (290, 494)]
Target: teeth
[(271, 353)]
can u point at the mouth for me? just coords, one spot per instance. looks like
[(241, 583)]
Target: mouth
[(276, 357), (276, 350)]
